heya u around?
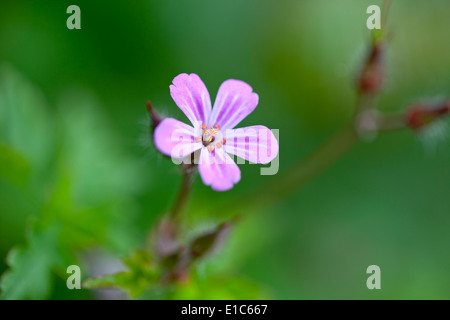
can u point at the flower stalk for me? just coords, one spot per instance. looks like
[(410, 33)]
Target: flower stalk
[(182, 200)]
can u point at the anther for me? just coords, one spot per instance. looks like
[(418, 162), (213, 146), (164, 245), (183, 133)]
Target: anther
[(224, 141), (210, 148), (218, 145), (217, 127), (204, 126), (198, 139)]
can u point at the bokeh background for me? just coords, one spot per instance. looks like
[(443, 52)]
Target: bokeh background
[(80, 182)]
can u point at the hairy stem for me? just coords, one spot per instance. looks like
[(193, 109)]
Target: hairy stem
[(184, 193)]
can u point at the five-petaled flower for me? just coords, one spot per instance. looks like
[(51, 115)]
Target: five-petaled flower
[(212, 132)]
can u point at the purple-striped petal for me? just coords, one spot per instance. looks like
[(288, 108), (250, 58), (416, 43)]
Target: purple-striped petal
[(218, 170), (235, 100), (176, 139), (191, 96), (255, 143)]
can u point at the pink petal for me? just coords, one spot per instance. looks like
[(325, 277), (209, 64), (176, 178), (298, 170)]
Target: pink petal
[(255, 143), (218, 170), (175, 139), (191, 96), (235, 100)]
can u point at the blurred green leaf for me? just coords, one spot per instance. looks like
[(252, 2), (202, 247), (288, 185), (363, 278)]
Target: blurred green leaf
[(87, 191), (142, 274), (206, 243), (13, 167), (96, 178), (25, 122), (92, 153), (29, 276)]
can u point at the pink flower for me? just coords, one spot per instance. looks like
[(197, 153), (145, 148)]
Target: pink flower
[(212, 132)]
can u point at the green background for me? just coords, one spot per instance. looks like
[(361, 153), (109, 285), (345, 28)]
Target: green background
[(78, 169)]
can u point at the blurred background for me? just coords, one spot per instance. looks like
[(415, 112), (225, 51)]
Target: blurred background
[(80, 182)]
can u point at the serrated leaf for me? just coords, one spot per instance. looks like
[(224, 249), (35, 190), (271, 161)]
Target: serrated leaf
[(29, 276)]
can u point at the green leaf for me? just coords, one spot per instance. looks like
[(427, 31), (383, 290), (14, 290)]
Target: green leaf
[(29, 276), (25, 122), (142, 275), (206, 243), (86, 186), (96, 178), (118, 280)]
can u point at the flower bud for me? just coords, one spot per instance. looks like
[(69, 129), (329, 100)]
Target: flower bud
[(210, 241), (422, 115), (372, 75)]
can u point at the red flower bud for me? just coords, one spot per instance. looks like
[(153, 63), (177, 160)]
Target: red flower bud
[(420, 116), (372, 75)]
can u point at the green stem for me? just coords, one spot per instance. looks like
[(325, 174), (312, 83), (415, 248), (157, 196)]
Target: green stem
[(184, 193)]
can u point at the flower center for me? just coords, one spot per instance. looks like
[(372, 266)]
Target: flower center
[(211, 137)]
